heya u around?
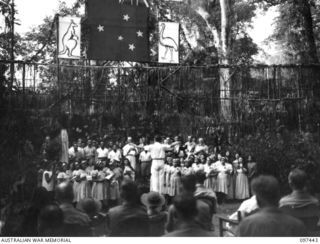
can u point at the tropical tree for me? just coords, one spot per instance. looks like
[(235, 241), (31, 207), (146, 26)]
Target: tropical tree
[(219, 30), (297, 29)]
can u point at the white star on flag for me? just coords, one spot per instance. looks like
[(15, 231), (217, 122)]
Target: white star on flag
[(100, 28), (140, 33), (120, 38), (126, 17), (131, 47)]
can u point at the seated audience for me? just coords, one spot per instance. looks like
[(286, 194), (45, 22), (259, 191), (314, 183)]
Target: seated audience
[(157, 218), (50, 221), (269, 221), (299, 197), (300, 203), (92, 208), (76, 222), (41, 197), (205, 194), (130, 218), (185, 208)]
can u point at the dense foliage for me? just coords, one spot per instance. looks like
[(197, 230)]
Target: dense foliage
[(297, 30), (277, 153)]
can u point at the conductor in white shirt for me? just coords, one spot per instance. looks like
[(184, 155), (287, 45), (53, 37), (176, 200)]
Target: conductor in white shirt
[(158, 154)]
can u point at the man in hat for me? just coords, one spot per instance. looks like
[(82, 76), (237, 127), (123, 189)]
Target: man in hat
[(154, 202), (203, 217), (185, 209), (207, 195)]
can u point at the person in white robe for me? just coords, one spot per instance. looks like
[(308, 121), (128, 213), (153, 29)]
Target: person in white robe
[(130, 151)]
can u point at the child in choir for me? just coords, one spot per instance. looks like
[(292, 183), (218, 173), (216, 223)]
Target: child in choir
[(128, 171), (202, 158), (109, 177), (211, 175), (224, 170), (175, 179), (69, 170), (183, 167), (88, 170), (76, 181), (189, 170), (114, 185), (118, 171), (213, 158), (62, 175), (90, 166), (98, 179), (195, 164), (227, 157), (85, 183), (233, 177), (242, 183), (167, 175)]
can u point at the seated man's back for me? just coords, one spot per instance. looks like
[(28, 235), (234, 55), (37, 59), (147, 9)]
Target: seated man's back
[(184, 212), (298, 199), (128, 220), (76, 222), (300, 203), (202, 219), (271, 222)]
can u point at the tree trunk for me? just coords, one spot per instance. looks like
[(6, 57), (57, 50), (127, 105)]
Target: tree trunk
[(307, 22), (224, 61)]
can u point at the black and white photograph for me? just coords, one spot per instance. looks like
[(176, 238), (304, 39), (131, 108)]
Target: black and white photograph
[(159, 118)]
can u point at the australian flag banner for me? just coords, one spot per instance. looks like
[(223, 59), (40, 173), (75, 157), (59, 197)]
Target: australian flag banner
[(118, 31)]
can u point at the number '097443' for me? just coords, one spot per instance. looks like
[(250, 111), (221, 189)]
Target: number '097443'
[(308, 240)]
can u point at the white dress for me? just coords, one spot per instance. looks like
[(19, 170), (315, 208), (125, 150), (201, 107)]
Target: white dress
[(76, 184), (222, 178), (166, 180), (175, 181), (99, 188), (211, 180), (242, 185), (84, 185)]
